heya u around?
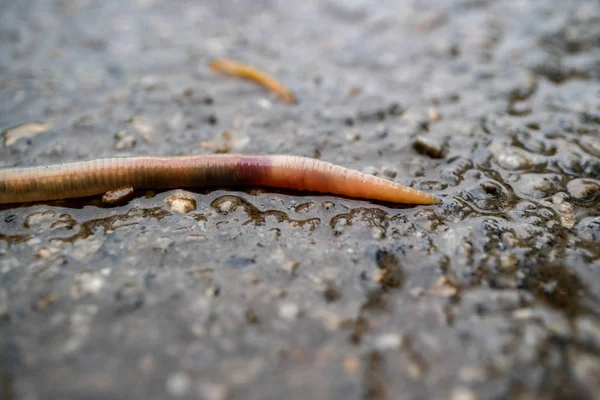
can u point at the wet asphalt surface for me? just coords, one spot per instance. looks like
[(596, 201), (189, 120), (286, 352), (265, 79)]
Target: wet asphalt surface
[(264, 294)]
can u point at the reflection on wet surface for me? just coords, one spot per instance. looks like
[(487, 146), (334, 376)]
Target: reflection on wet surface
[(496, 245), (229, 204)]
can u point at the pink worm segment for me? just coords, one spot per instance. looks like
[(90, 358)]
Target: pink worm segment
[(89, 178)]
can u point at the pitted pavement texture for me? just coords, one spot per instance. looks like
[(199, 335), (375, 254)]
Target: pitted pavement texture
[(264, 294)]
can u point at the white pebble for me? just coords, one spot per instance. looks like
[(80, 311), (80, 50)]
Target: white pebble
[(463, 393), (289, 311), (389, 341), (181, 202), (178, 384)]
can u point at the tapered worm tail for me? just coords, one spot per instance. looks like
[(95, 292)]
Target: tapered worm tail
[(89, 178)]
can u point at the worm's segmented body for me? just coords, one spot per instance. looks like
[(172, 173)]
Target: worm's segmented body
[(89, 178)]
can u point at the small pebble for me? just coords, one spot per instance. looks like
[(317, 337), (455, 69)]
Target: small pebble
[(388, 341), (567, 215), (117, 196), (265, 104), (415, 366), (87, 283), (524, 314), (181, 202), (581, 189), (178, 384), (433, 114), (352, 365), (195, 238), (559, 198), (428, 146), (289, 311), (327, 205), (353, 137), (46, 252), (39, 218), (508, 261), (227, 206), (444, 287), (512, 158), (463, 393), (289, 265), (377, 233), (512, 161)]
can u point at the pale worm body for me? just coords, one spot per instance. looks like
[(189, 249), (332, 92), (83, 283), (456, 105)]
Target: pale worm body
[(89, 178)]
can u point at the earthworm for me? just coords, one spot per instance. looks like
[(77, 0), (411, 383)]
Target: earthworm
[(89, 178), (235, 68)]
